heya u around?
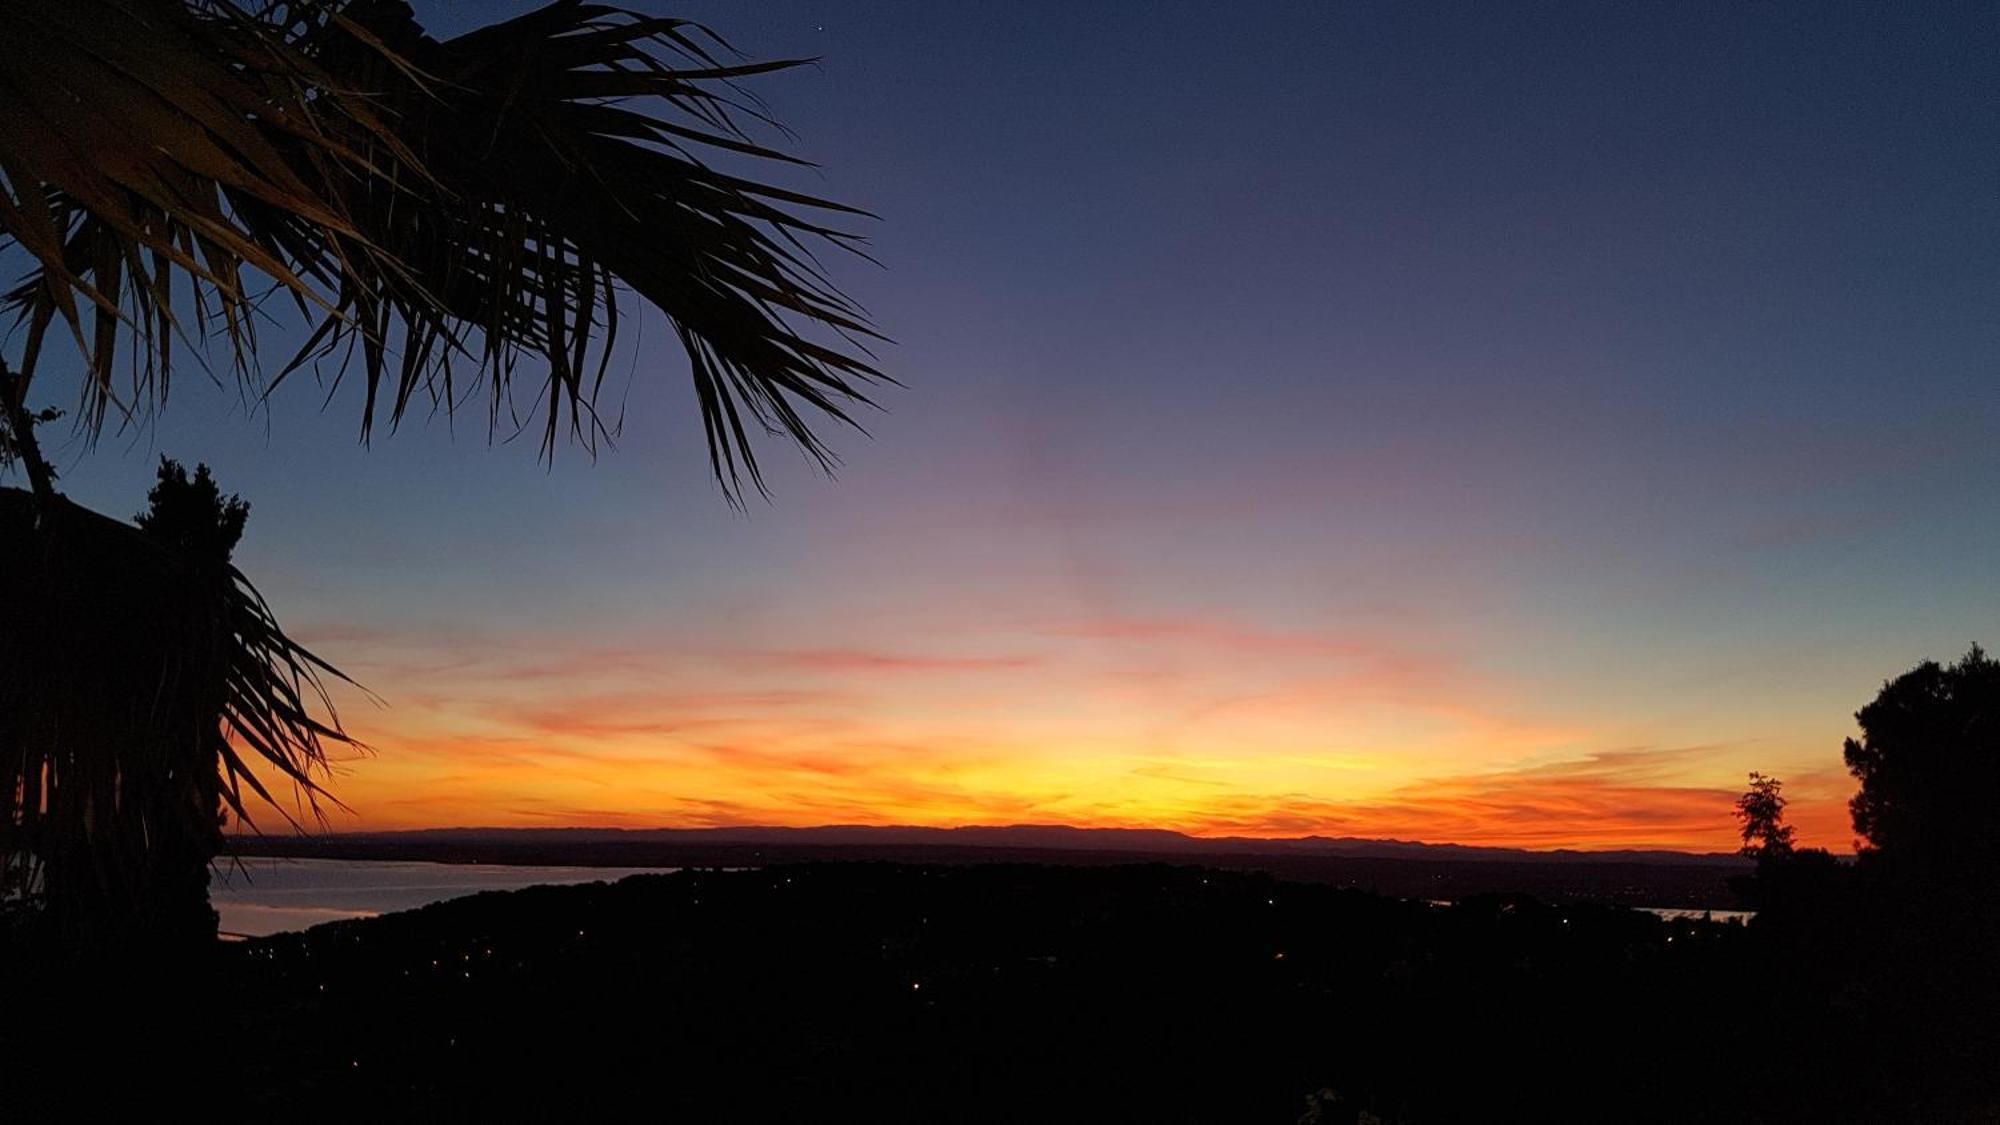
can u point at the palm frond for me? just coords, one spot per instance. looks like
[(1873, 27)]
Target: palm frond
[(133, 133), (118, 653), (444, 211)]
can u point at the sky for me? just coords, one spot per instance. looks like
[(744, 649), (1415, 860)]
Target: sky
[(1493, 424)]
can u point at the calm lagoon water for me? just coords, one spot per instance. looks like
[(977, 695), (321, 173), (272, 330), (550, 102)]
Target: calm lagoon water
[(268, 896)]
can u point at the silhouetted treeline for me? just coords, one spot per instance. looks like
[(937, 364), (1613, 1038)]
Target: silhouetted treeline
[(1006, 993), (1896, 949)]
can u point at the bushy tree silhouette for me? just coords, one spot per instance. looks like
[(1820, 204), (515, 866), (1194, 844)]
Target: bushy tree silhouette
[(1928, 760), (191, 515)]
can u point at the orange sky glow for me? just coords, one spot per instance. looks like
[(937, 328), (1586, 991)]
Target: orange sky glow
[(1192, 724)]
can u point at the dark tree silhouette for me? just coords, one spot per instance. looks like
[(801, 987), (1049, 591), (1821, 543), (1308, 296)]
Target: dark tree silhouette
[(1929, 765), (1925, 916), (191, 515), (140, 674), (1761, 809)]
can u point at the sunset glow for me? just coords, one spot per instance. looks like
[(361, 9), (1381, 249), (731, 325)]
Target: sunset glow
[(1382, 421), (1187, 724)]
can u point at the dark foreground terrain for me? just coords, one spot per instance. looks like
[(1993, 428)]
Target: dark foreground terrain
[(879, 992)]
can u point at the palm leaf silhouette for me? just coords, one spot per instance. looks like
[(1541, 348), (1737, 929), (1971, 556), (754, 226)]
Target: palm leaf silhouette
[(139, 684), (439, 211)]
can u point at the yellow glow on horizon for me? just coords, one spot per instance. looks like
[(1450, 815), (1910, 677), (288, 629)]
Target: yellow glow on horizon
[(1242, 734)]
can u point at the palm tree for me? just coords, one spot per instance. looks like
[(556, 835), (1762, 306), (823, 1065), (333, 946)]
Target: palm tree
[(441, 211), (441, 217), (138, 677)]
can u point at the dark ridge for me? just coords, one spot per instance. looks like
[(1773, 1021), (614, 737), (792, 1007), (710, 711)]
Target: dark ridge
[(1403, 870), (1036, 836)]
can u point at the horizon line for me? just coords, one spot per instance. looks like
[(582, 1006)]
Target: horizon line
[(993, 827)]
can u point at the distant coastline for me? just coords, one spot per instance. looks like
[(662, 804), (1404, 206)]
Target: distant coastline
[(1630, 877), (1056, 837)]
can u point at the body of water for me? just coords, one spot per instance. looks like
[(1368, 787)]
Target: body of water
[(267, 895), (1713, 915)]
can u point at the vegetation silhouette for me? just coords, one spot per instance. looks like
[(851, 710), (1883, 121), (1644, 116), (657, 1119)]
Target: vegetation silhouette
[(1002, 992), (1895, 949), (444, 211), (192, 516), (140, 674), (1762, 810), (441, 210), (1928, 762)]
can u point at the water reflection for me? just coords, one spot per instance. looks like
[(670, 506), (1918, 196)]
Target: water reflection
[(262, 895)]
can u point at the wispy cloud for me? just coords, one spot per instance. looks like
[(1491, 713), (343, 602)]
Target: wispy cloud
[(838, 660), (1628, 798), (1202, 722)]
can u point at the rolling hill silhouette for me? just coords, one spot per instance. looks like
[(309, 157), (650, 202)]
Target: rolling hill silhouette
[(1394, 867)]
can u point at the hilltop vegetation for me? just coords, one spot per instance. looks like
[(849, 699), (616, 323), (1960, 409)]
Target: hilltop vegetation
[(1014, 993)]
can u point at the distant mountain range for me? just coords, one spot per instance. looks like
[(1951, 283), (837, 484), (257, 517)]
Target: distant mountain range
[(1138, 842)]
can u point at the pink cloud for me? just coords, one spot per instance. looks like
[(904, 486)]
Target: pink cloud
[(1610, 799), (866, 660)]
